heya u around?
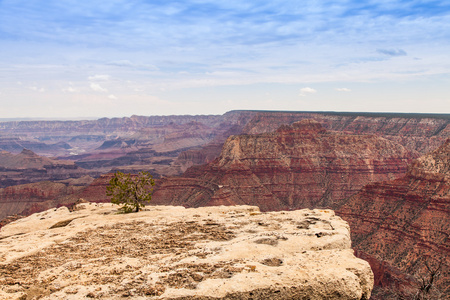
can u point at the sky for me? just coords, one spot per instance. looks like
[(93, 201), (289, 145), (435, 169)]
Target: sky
[(67, 59)]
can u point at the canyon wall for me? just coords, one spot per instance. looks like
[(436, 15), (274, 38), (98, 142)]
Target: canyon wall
[(29, 198), (298, 166), (404, 224), (417, 132), (420, 133)]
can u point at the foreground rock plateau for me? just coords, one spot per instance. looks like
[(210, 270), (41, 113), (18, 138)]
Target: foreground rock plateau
[(169, 252)]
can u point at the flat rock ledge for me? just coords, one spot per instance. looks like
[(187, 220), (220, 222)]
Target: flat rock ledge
[(167, 252)]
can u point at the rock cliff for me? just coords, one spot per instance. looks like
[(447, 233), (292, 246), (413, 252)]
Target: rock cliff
[(402, 226), (177, 253), (417, 132), (29, 198), (297, 166)]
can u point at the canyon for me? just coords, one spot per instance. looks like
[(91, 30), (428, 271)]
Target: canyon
[(168, 145), (380, 172)]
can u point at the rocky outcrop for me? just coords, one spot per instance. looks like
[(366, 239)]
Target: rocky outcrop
[(27, 167), (403, 225), (297, 166), (176, 253)]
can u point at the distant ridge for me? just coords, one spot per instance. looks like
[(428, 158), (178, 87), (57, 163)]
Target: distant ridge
[(336, 113), (47, 119), (350, 113)]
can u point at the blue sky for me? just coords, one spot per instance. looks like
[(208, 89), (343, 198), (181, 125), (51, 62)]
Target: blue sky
[(67, 59)]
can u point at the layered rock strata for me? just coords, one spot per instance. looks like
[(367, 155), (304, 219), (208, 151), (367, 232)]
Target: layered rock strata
[(403, 225), (417, 132), (177, 253), (29, 198), (297, 166)]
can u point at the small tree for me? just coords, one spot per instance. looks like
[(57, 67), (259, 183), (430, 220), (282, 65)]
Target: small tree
[(427, 286), (130, 191)]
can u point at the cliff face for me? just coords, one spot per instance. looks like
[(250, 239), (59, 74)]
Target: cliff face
[(27, 167), (297, 166), (404, 224), (29, 198), (175, 253), (419, 133)]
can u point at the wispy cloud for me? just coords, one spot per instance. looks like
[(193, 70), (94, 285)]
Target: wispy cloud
[(167, 46), (343, 90), (392, 52), (129, 64)]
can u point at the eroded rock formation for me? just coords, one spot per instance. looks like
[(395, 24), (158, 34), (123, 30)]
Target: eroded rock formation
[(403, 225), (297, 166), (26, 199), (417, 132), (177, 253)]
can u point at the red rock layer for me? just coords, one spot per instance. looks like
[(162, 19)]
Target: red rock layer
[(29, 198), (418, 133), (96, 191), (405, 223), (297, 166), (421, 133)]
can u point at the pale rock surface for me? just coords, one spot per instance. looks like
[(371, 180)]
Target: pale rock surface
[(166, 252)]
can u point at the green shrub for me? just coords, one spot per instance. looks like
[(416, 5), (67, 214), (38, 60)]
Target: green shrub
[(130, 191)]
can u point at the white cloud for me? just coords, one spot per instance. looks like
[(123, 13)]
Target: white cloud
[(96, 87), (69, 90), (306, 90), (343, 90), (99, 77), (112, 97), (35, 88)]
